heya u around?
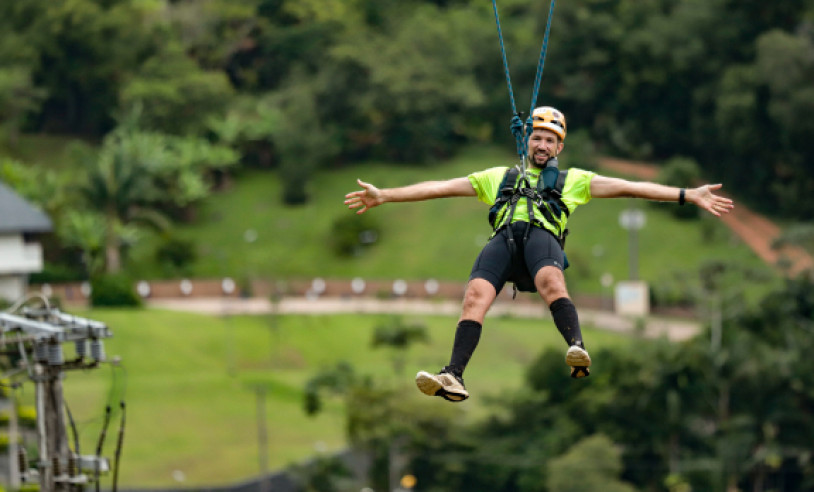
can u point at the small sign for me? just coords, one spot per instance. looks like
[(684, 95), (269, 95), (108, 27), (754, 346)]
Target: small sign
[(632, 298), (632, 218)]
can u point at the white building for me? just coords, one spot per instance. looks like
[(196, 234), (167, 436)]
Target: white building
[(20, 254)]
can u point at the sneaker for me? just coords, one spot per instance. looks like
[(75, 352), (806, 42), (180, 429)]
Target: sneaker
[(579, 360), (444, 384)]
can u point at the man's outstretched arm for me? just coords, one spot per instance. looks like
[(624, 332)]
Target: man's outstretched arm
[(370, 196), (703, 196)]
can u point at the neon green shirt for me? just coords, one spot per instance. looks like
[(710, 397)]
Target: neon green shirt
[(576, 191)]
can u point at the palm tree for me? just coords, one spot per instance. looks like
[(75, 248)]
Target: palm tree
[(116, 186), (139, 175)]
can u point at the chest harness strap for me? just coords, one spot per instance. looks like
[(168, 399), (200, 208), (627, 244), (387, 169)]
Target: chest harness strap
[(545, 198)]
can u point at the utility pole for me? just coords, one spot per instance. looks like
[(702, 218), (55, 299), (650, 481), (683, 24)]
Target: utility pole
[(262, 432), (37, 336)]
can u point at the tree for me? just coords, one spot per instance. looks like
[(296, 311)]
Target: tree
[(77, 53), (416, 80), (786, 66), (398, 335), (304, 142), (593, 463), (86, 231), (176, 95), (18, 97), (138, 178), (249, 127), (117, 184)]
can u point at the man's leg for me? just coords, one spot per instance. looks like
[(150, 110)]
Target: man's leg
[(550, 283), (479, 296), (488, 276), (449, 383), (545, 259)]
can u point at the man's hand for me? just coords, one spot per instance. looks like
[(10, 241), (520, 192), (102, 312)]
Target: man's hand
[(704, 197), (367, 198), (370, 196)]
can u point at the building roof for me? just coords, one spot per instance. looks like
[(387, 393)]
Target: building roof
[(17, 215)]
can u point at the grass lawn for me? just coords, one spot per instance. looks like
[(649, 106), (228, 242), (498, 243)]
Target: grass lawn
[(189, 383)]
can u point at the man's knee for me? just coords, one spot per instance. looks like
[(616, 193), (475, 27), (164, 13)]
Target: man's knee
[(480, 294), (550, 283)]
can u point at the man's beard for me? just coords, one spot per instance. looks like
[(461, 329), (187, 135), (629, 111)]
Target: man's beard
[(533, 162)]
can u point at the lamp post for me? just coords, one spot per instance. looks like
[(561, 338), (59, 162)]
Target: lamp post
[(632, 219)]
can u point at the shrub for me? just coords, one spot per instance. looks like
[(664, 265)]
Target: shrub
[(57, 273), (351, 234), (295, 185), (175, 255), (114, 291)]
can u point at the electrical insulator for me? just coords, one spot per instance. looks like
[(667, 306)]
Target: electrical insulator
[(72, 468), (41, 351), (57, 468), (55, 357), (97, 349), (81, 348), (22, 460)]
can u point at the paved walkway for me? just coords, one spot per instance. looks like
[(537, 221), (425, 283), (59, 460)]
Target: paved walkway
[(673, 329)]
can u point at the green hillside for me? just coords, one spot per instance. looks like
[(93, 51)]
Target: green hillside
[(188, 383), (436, 239)]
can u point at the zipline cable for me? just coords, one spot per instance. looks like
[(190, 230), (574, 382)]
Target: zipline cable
[(520, 131), (540, 65), (505, 60)]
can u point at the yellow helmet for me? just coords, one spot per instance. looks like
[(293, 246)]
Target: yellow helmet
[(549, 118)]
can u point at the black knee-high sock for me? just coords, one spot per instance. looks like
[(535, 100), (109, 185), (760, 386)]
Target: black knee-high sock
[(467, 336), (565, 317)]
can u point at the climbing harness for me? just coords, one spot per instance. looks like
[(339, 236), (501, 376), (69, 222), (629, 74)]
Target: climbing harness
[(546, 197)]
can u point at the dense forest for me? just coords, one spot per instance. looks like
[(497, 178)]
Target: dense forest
[(309, 84)]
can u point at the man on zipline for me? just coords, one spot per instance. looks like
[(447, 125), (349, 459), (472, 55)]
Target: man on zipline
[(525, 248)]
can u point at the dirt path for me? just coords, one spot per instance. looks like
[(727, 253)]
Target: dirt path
[(756, 231)]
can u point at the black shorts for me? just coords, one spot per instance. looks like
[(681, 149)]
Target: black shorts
[(496, 265)]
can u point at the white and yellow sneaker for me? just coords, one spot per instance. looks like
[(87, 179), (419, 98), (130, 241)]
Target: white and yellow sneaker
[(579, 360), (444, 384)]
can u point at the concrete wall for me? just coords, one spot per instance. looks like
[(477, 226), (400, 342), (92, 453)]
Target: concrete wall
[(17, 259), (12, 287), (18, 256)]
